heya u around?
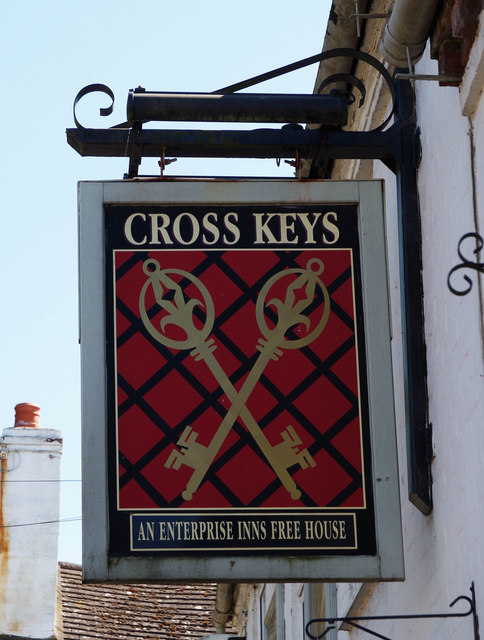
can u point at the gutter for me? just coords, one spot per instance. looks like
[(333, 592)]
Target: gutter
[(408, 27), (407, 31)]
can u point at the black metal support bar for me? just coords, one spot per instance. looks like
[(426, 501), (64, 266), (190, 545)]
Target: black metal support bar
[(418, 429), (353, 621), (319, 57), (364, 145), (258, 143), (145, 106)]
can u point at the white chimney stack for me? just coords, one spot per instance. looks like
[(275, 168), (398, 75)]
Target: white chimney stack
[(29, 525)]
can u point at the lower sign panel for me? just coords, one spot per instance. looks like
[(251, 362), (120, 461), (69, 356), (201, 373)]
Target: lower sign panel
[(274, 531)]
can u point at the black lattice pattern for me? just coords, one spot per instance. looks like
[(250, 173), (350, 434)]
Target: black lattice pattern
[(314, 389)]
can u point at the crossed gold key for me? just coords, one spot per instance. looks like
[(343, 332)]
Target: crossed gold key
[(169, 296)]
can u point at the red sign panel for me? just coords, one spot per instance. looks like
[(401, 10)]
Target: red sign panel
[(237, 387)]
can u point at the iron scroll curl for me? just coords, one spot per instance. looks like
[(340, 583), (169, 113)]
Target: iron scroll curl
[(94, 88), (466, 264)]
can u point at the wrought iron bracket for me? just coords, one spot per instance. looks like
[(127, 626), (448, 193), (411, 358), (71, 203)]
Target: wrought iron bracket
[(466, 264), (312, 144), (354, 621), (442, 77), (412, 76), (130, 139)]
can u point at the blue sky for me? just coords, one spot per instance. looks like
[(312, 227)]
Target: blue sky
[(50, 51)]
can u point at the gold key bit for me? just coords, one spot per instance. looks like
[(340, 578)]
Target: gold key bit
[(288, 451), (192, 452)]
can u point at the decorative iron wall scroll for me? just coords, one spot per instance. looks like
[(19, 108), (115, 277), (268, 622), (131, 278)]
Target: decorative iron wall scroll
[(466, 264)]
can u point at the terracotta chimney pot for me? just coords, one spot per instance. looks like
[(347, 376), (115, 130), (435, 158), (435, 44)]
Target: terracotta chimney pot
[(27, 415)]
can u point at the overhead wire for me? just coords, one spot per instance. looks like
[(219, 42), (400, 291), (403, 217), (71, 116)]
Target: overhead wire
[(34, 524), (33, 481)]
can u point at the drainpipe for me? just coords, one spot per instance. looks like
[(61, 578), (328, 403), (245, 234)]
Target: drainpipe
[(224, 606), (407, 29)]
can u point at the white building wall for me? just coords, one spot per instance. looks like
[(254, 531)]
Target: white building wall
[(444, 551), (293, 611), (29, 495)]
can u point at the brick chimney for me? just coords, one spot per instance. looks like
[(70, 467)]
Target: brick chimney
[(29, 528)]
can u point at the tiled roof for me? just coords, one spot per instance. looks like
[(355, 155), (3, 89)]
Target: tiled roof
[(134, 612)]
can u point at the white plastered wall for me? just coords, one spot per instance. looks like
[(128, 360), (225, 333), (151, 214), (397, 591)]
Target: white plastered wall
[(443, 552), (29, 505)]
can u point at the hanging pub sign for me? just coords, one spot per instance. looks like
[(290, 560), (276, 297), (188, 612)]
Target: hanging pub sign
[(236, 379)]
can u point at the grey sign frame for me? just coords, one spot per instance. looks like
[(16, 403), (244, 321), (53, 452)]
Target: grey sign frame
[(98, 565)]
